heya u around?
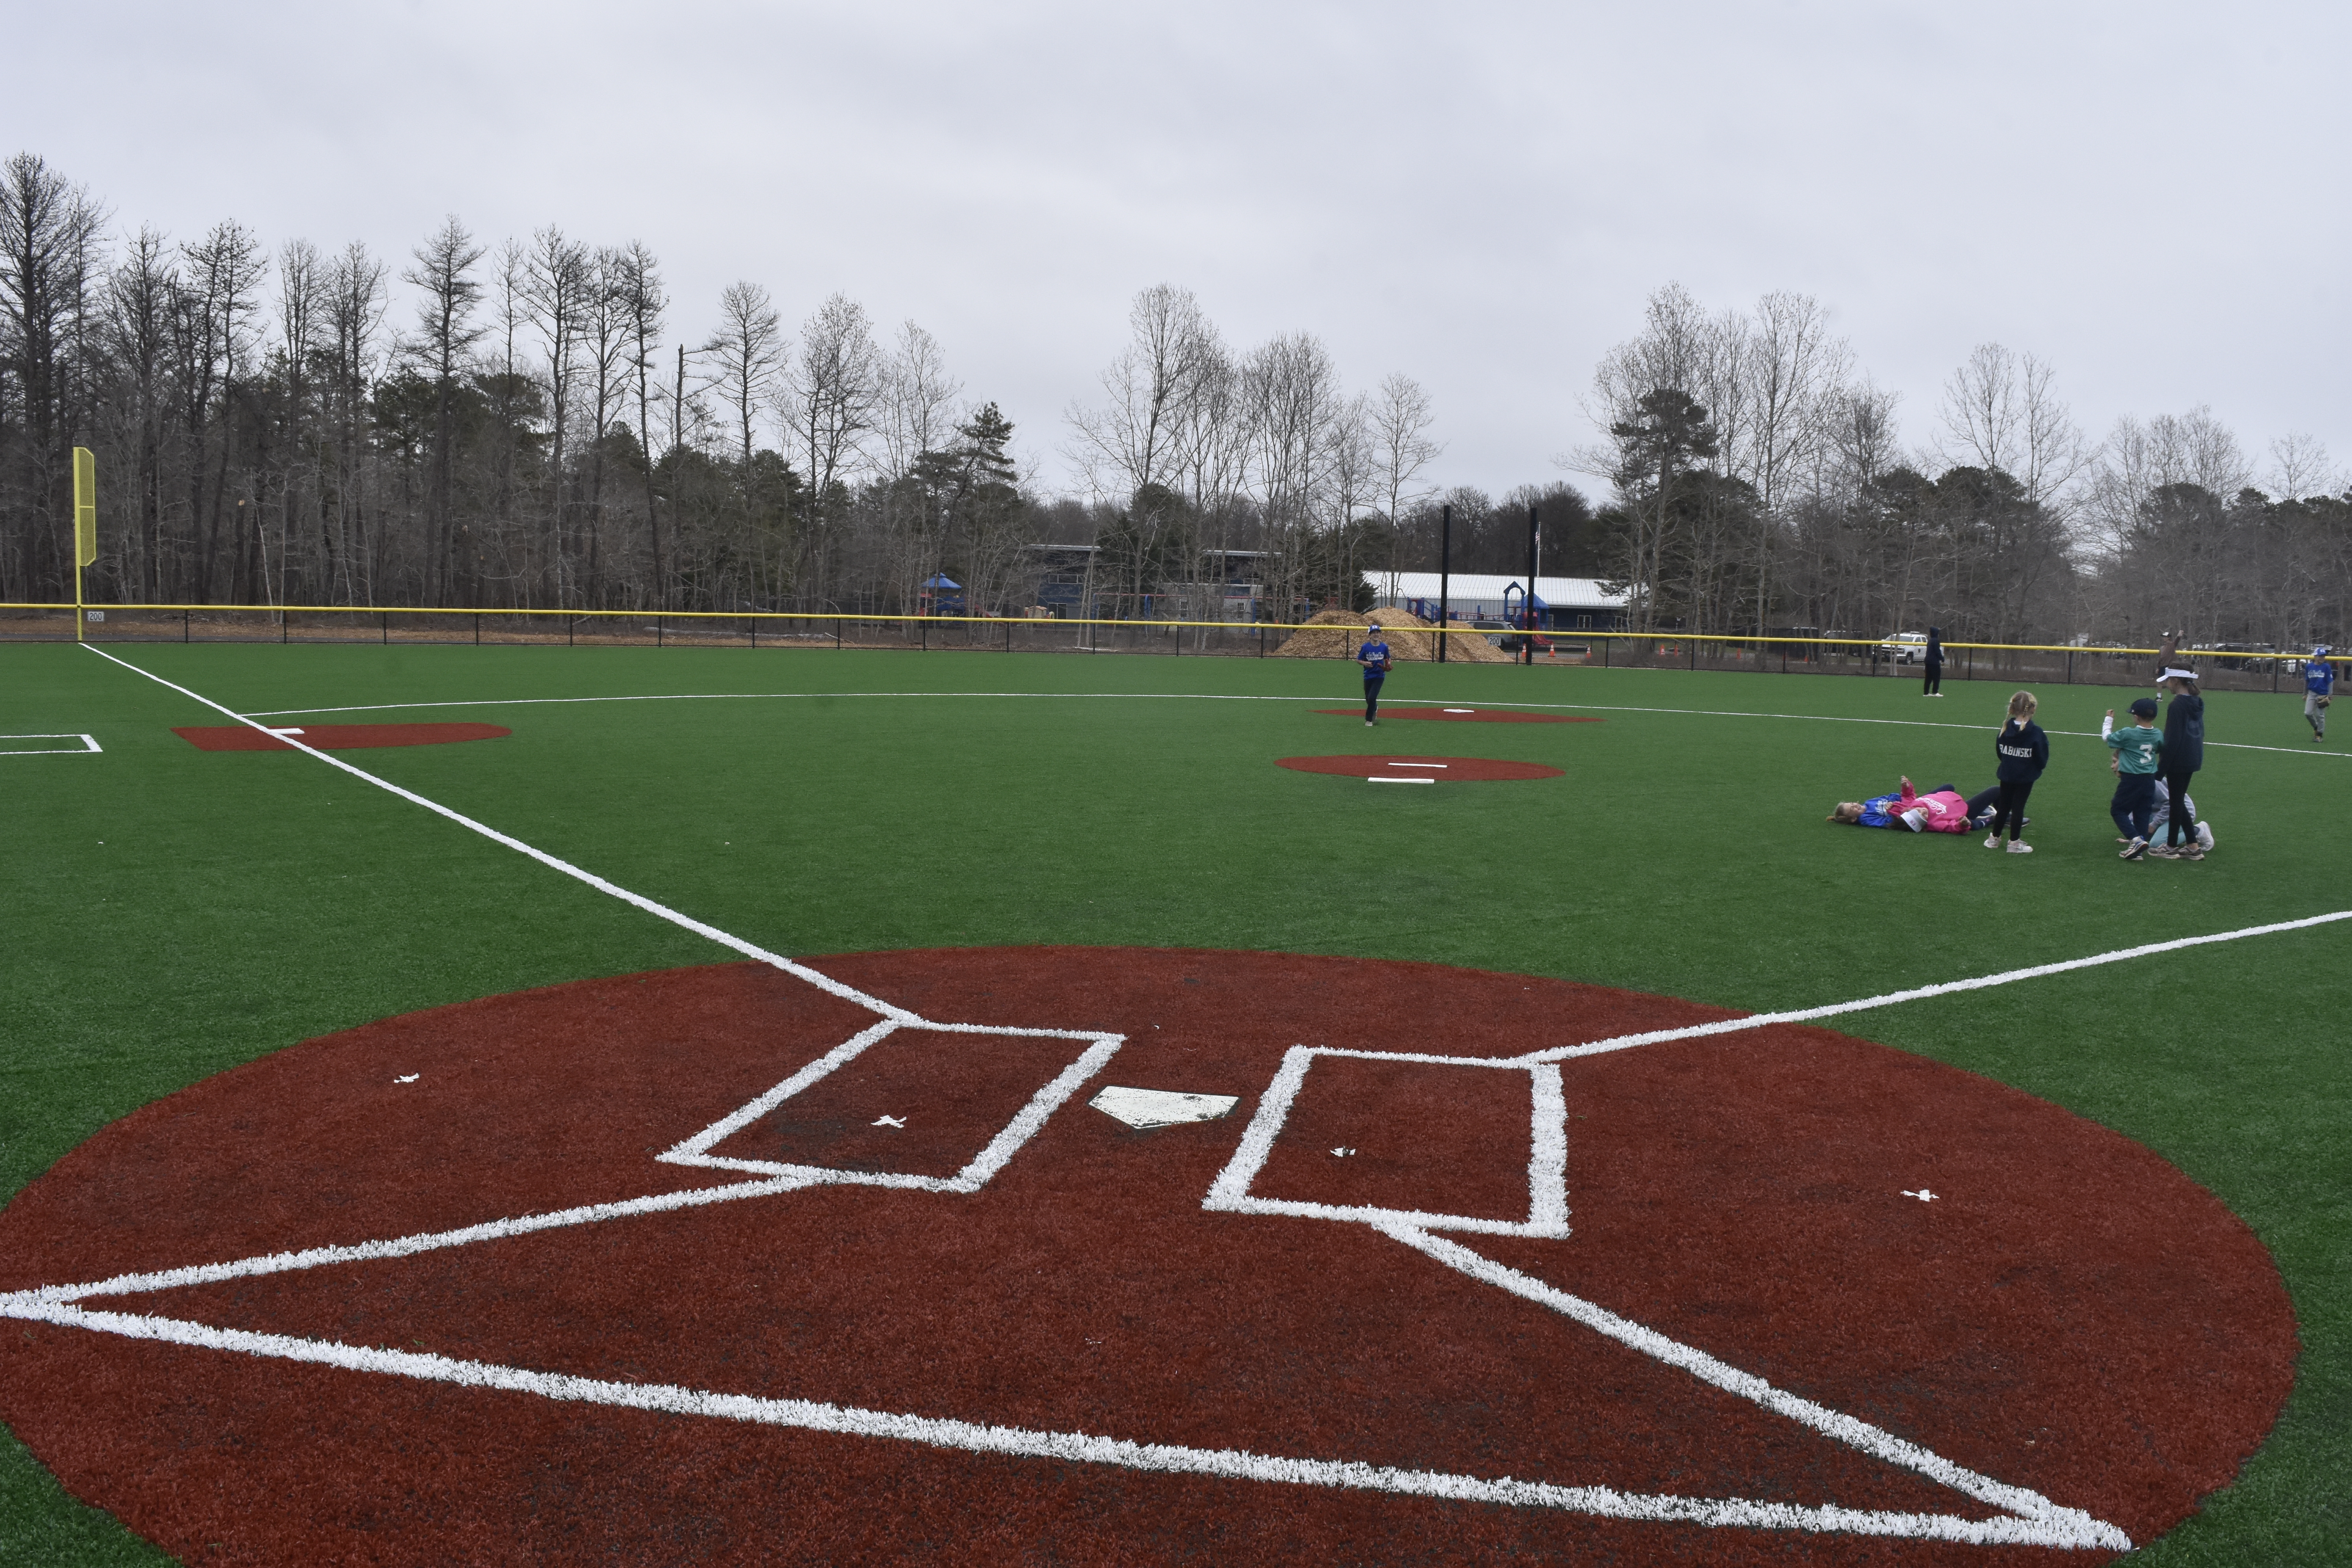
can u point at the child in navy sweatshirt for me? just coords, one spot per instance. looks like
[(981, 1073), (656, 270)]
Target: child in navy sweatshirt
[(2023, 751)]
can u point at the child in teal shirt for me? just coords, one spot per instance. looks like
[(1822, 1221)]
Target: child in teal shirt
[(2135, 747)]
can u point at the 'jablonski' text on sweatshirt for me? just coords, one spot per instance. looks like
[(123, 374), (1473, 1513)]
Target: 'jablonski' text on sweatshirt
[(2023, 751)]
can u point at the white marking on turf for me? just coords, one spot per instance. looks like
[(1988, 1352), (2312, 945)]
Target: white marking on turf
[(1395, 778), (410, 1078), (400, 1247), (825, 983), (2052, 1527), (2072, 1527), (1546, 1159), (1420, 764), (1920, 992), (1923, 1194), (888, 1121), (88, 744), (1206, 697)]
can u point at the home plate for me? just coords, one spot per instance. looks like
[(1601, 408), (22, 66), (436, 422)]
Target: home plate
[(1148, 1108)]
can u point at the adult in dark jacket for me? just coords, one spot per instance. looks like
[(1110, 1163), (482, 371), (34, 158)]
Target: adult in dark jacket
[(2182, 754), (2022, 750), (1934, 685)]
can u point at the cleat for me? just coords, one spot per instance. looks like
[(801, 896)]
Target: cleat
[(2138, 848)]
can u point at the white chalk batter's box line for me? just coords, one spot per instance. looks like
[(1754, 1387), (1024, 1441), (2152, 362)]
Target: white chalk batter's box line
[(88, 744), (974, 1175), (1546, 1159)]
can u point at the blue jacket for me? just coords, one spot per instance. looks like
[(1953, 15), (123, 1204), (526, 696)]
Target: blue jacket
[(2023, 751), (2184, 736), (2319, 678)]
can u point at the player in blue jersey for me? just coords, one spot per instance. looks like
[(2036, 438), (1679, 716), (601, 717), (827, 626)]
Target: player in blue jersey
[(2318, 688), (1374, 656)]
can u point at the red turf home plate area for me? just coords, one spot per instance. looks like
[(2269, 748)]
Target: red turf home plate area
[(334, 737), (899, 1371)]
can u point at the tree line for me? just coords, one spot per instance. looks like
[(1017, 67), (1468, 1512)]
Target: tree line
[(1756, 482), (519, 424)]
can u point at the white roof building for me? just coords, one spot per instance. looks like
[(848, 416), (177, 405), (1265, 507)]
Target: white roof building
[(1476, 597)]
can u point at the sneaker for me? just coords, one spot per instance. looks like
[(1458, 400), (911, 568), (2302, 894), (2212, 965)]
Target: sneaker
[(2138, 847), (2017, 847), (1992, 840), (1368, 723), (2192, 850), (2164, 851)]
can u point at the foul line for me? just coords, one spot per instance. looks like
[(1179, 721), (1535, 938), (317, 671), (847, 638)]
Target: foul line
[(2052, 1529), (2066, 1526), (1919, 993), (825, 983), (1192, 697)]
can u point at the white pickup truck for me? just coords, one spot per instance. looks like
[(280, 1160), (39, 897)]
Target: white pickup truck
[(1904, 647)]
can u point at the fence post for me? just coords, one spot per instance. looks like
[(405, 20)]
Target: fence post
[(755, 630), (837, 634), (183, 624), (657, 642), (1694, 653), (281, 626), (926, 633), (477, 628), (2070, 667), (385, 631)]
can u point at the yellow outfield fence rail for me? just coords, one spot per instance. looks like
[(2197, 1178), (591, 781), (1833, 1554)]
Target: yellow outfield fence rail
[(2231, 668)]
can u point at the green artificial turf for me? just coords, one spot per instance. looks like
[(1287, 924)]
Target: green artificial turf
[(174, 912)]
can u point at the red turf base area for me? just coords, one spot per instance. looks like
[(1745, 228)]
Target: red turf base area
[(1467, 715), (336, 737), (2068, 1314), (1439, 769)]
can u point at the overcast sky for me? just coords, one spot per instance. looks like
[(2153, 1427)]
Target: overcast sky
[(2147, 194)]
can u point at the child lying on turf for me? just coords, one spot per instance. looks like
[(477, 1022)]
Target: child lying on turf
[(1940, 810)]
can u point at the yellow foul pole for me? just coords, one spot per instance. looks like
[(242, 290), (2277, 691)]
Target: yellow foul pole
[(85, 472)]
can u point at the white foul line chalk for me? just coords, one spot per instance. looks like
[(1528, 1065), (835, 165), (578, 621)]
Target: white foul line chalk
[(1392, 778)]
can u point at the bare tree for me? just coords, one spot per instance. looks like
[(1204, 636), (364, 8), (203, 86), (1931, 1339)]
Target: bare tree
[(1132, 439), (218, 328), (638, 278), (355, 312), (1400, 419), (750, 348), (1791, 375), (2299, 469), (141, 292), (443, 273), (48, 229), (1297, 409), (558, 293), (917, 402), (1999, 413), (830, 401)]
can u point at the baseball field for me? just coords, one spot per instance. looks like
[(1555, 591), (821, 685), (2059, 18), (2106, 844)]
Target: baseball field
[(482, 1104)]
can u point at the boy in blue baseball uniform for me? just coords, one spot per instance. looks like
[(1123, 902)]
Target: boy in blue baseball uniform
[(2318, 688), (1374, 656), (2135, 747)]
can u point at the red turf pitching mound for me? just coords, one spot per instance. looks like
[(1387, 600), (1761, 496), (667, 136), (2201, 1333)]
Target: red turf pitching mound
[(1467, 715), (1429, 770), (336, 737), (716, 1265)]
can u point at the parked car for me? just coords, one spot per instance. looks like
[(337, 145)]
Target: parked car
[(1904, 647)]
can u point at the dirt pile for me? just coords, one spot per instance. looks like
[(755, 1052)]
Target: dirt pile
[(1335, 634)]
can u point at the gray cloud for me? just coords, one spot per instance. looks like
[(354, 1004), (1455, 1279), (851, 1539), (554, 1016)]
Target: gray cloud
[(1481, 196)]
